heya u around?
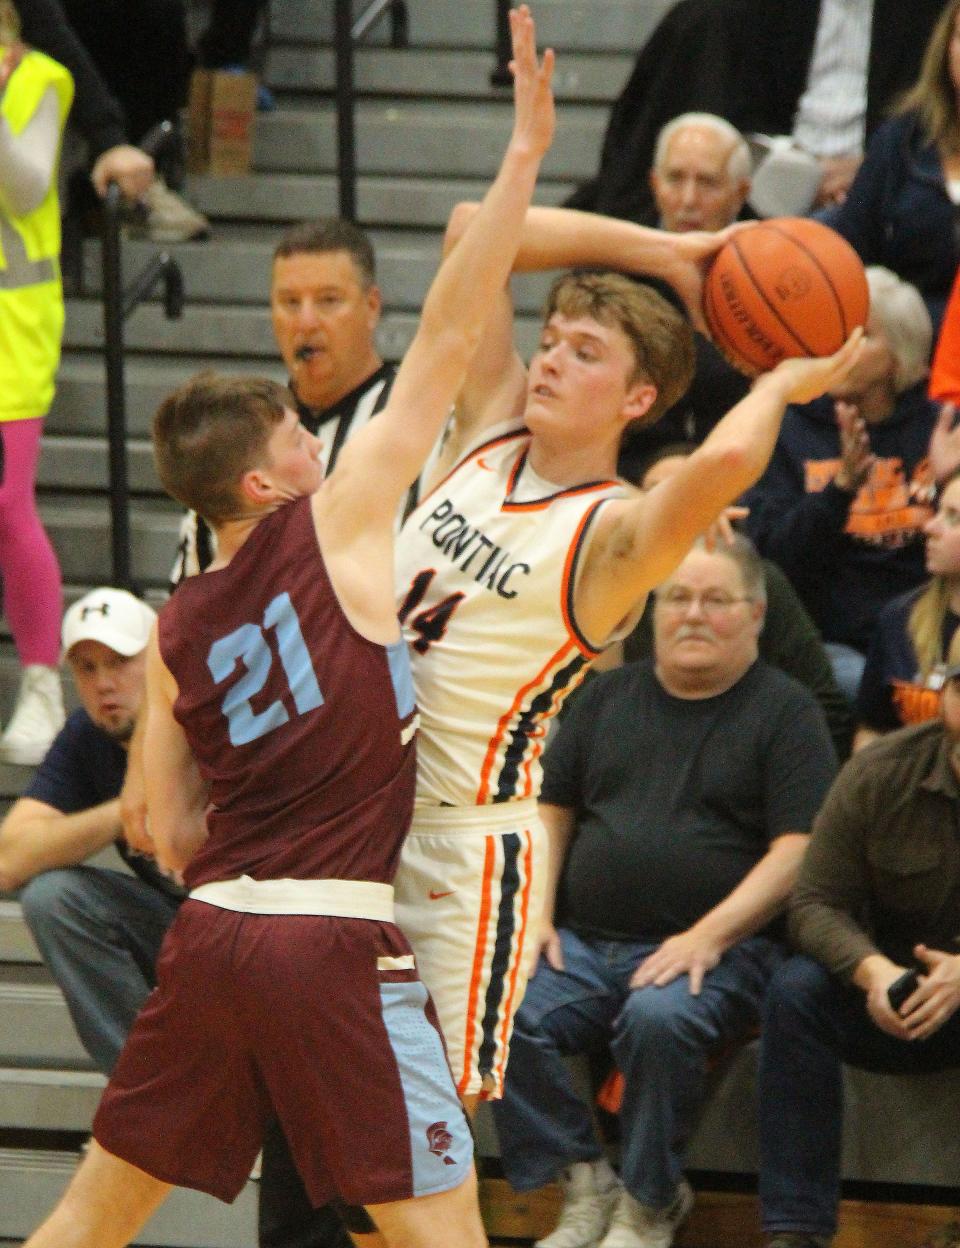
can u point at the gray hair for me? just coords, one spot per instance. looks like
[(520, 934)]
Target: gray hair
[(741, 551), (738, 162), (899, 310)]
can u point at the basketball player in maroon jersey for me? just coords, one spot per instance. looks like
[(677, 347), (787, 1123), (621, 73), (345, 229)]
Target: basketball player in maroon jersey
[(280, 777)]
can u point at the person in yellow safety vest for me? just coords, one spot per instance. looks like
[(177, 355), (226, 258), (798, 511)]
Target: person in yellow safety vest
[(35, 97)]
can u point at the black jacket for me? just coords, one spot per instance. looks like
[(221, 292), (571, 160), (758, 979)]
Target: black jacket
[(746, 60)]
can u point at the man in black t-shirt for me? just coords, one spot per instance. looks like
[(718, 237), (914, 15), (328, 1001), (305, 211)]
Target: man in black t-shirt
[(678, 794), (99, 930)]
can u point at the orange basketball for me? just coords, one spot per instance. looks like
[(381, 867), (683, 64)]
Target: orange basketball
[(785, 287)]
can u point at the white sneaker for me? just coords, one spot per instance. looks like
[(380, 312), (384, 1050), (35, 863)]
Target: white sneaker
[(168, 217), (586, 1211), (37, 717), (639, 1226)]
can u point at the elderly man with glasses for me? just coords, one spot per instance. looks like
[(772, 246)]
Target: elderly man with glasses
[(678, 795)]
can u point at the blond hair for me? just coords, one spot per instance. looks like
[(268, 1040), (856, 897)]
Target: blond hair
[(933, 97), (925, 623)]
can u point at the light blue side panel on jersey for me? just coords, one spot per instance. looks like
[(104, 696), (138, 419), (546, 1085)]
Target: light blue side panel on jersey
[(398, 657), (441, 1147)]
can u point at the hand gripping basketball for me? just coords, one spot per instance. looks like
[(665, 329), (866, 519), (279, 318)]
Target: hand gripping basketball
[(784, 288)]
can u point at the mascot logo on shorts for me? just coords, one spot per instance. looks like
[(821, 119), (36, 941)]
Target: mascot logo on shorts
[(439, 1140)]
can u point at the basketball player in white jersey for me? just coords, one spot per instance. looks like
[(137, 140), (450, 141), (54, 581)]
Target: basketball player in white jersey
[(520, 565)]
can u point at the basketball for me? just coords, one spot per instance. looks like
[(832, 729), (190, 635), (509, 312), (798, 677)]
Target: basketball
[(785, 287)]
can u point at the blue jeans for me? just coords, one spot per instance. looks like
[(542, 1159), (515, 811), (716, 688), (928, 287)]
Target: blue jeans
[(812, 1024), (661, 1038), (99, 933)]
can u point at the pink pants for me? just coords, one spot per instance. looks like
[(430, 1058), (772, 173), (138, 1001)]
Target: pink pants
[(32, 588)]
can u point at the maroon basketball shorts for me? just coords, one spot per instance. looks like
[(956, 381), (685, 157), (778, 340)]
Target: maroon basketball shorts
[(321, 1021)]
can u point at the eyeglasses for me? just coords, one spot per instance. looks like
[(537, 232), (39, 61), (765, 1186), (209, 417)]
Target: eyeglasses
[(711, 603)]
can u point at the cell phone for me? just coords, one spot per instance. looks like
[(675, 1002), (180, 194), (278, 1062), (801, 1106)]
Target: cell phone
[(902, 987)]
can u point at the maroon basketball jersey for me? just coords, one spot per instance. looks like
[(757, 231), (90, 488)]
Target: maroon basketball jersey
[(303, 728)]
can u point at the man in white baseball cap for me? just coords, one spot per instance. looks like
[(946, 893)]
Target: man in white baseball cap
[(112, 617), (98, 929)]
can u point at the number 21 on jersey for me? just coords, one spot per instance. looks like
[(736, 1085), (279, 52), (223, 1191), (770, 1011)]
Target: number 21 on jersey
[(248, 645)]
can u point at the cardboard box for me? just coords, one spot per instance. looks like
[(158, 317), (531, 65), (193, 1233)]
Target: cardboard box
[(221, 113)]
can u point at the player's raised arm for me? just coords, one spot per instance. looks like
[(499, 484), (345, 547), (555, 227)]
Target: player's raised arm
[(640, 541), (561, 238), (382, 460)]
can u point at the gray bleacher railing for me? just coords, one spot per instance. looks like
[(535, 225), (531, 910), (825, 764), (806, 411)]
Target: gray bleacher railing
[(118, 303), (501, 76), (347, 34)]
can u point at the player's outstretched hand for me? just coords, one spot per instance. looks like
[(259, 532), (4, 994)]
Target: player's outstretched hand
[(803, 380), (692, 255), (534, 117)]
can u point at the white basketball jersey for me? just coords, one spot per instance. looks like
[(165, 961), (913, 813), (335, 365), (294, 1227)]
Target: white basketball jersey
[(485, 591)]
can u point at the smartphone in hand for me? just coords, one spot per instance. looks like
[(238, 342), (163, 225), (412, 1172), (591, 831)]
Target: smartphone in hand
[(901, 988)]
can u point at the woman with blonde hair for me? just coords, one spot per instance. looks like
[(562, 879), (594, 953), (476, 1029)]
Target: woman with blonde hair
[(35, 97), (902, 208), (904, 672)]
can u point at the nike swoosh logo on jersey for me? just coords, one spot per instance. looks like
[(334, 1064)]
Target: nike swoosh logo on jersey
[(434, 896), (482, 463)]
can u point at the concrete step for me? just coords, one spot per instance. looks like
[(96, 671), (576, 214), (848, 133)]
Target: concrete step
[(32, 1181), (578, 25), (400, 201), (422, 139), (439, 73), (16, 943), (74, 463), (79, 529), (79, 407), (35, 1027), (49, 1100), (243, 331), (236, 270)]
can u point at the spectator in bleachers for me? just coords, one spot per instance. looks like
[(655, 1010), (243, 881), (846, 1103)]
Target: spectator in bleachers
[(788, 640), (878, 894), (771, 66), (842, 506), (36, 97), (945, 369), (99, 930), (96, 113), (700, 179), (904, 673), (130, 62), (325, 307), (703, 755), (903, 206), (700, 174)]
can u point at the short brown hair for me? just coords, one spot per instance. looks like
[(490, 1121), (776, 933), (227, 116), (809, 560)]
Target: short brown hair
[(209, 432), (328, 234), (660, 336)]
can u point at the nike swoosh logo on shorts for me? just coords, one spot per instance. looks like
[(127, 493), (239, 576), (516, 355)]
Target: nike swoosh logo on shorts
[(434, 896)]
